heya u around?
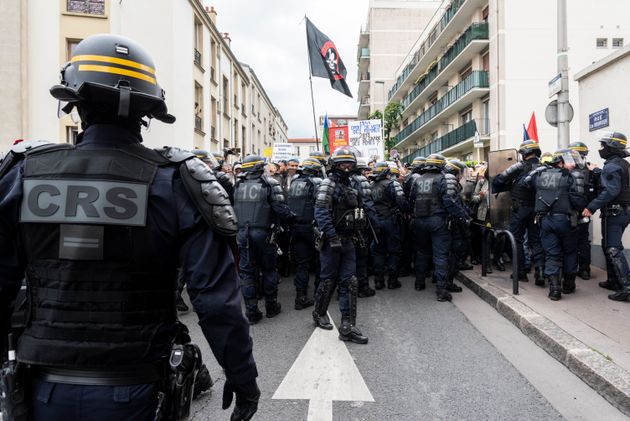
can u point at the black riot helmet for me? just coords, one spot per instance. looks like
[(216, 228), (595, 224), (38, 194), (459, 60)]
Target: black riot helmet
[(580, 147), (311, 167), (253, 164), (418, 163), (381, 170), (319, 155), (361, 166), (528, 147), (435, 161), (453, 167), (205, 157), (113, 75), (343, 155)]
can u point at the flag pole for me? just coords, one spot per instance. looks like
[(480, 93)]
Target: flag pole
[(310, 80)]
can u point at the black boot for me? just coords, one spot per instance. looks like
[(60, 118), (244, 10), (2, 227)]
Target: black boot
[(393, 282), (366, 291), (349, 332), (539, 277), (618, 264), (420, 285), (181, 305), (498, 264), (379, 281), (612, 285), (623, 294), (320, 315), (443, 295), (585, 273), (301, 300), (253, 316), (522, 277), (568, 284), (555, 291), (203, 381), (464, 265), (453, 287), (272, 308)]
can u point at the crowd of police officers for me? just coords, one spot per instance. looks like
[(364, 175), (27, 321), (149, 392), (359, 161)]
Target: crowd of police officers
[(103, 236)]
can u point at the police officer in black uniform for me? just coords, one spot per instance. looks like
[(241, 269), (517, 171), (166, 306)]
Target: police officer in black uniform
[(390, 204), (100, 230), (260, 208), (363, 233), (522, 216), (301, 201), (339, 214), (559, 200), (613, 201), (591, 180), (434, 197)]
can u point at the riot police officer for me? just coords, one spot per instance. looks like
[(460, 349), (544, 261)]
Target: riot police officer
[(435, 199), (338, 214), (104, 226), (390, 204), (613, 201), (260, 208), (301, 201), (559, 199), (583, 231), (407, 237), (522, 216), (217, 167), (363, 233), (459, 249)]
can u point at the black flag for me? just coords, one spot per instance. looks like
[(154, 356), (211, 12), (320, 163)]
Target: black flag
[(325, 60)]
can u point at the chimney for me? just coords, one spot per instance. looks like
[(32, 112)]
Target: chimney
[(226, 37), (212, 14)]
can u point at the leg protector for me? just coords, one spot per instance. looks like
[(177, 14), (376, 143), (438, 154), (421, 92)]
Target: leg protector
[(320, 316)]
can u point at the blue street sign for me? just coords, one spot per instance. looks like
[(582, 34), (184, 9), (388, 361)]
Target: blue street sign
[(598, 120)]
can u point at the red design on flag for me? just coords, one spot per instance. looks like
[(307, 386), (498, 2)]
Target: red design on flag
[(532, 130)]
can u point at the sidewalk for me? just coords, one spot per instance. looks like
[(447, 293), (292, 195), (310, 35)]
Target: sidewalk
[(585, 331)]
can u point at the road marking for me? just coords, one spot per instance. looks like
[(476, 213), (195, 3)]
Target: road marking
[(323, 372)]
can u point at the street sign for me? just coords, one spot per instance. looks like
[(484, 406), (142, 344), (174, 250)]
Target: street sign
[(598, 120), (555, 85), (282, 151), (551, 113), (477, 143)]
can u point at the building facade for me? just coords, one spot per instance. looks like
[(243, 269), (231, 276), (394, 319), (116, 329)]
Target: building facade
[(481, 67), (604, 89), (391, 29), (207, 89)]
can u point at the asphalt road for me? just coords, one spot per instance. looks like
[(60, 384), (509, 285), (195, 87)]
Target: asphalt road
[(424, 360)]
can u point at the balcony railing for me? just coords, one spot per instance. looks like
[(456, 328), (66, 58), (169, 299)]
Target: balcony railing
[(477, 79), (198, 123), (475, 31), (365, 100), (197, 58), (365, 53), (452, 138), (433, 36)]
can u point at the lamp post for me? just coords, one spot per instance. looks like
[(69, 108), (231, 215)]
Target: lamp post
[(382, 83)]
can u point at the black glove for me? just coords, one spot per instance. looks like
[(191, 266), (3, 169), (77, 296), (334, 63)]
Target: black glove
[(334, 242), (247, 396), (467, 222)]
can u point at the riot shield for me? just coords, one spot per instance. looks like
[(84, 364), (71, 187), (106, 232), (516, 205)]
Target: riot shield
[(500, 203)]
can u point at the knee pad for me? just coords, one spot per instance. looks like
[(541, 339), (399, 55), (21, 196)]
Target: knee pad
[(353, 283), (613, 252)]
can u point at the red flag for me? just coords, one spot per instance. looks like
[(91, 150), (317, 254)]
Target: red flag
[(532, 130)]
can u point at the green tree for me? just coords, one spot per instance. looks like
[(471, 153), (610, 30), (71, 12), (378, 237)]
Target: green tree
[(376, 115), (393, 114)]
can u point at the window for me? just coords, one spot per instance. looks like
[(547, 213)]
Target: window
[(71, 134), (198, 42), (617, 42), (88, 7), (602, 42), (198, 107), (464, 73), (466, 116), (485, 61), (485, 13), (71, 44), (226, 95), (235, 132)]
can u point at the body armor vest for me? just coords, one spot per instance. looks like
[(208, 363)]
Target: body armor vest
[(428, 200), (347, 215), (100, 288), (518, 191), (251, 204), (552, 192), (301, 200), (383, 202), (624, 195)]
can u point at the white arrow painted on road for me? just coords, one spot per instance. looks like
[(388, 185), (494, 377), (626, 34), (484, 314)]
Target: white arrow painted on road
[(323, 372)]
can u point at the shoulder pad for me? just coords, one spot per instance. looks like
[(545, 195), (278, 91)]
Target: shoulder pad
[(579, 181), (223, 178), (27, 148), (277, 193), (209, 197), (174, 154), (451, 184), (316, 181), (270, 180), (29, 145), (397, 188), (534, 172), (519, 166), (325, 193)]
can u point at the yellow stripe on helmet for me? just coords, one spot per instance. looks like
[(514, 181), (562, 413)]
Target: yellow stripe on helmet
[(114, 60), (531, 145), (116, 70), (311, 162), (580, 148), (435, 161), (344, 156), (622, 141), (251, 164)]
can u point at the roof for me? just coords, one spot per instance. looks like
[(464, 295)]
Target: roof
[(606, 61), (303, 140)]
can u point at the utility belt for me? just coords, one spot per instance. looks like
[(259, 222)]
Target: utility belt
[(615, 209), (115, 377), (571, 217), (518, 203)]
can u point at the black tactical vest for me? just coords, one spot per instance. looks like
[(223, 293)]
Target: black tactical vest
[(251, 204), (383, 202), (428, 201), (518, 191), (99, 292), (552, 192), (301, 200), (347, 214), (624, 195)]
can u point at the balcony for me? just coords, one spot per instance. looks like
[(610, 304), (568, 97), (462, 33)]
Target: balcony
[(364, 84), (197, 57), (364, 53), (365, 101), (451, 139), (363, 57), (470, 43), (477, 79), (364, 36)]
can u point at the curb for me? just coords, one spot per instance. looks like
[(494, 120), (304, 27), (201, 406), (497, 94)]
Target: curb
[(602, 375)]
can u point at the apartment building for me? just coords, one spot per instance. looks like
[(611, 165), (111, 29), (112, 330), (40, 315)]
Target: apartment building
[(481, 67), (390, 30), (207, 89)]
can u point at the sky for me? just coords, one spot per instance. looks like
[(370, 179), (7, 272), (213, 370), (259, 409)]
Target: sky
[(270, 36)]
